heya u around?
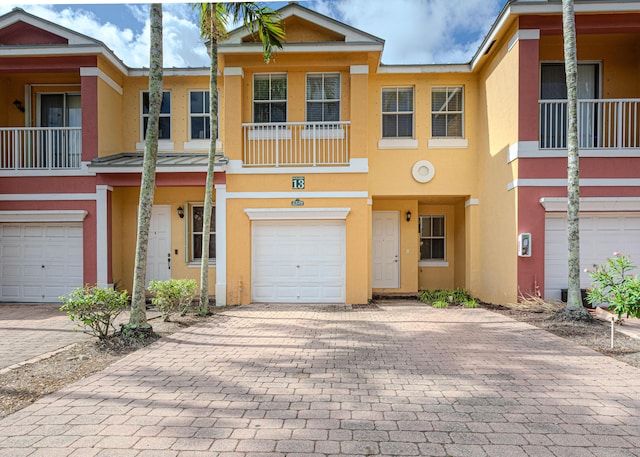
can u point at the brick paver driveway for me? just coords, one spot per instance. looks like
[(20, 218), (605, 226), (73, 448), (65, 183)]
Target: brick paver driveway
[(318, 380), (29, 331)]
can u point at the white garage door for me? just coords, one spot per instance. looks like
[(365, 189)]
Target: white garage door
[(299, 261), (601, 234), (40, 262)]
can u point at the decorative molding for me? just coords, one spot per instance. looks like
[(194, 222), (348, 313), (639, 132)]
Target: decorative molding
[(44, 216), (274, 214), (586, 182), (163, 145), (201, 145), (301, 195), (428, 68), (593, 203), (523, 149), (235, 167), (102, 234), (447, 143), (525, 34), (471, 202), (303, 47), (234, 71), (397, 143), (433, 263), (423, 171), (94, 71), (359, 69), (47, 197), (221, 244)]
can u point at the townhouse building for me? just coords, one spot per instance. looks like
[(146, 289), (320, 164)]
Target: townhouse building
[(337, 177)]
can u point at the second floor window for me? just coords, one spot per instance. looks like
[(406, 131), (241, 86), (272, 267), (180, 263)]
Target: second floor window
[(199, 115), (270, 97), (323, 97), (164, 126), (397, 112), (447, 112)]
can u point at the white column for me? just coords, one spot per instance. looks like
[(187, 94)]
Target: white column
[(102, 235), (221, 244)]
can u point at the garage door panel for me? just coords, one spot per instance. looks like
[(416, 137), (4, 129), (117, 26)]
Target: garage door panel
[(304, 261), (26, 248), (601, 234)]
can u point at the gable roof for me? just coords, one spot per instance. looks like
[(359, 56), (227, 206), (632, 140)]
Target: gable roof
[(48, 38), (351, 34), (72, 38)]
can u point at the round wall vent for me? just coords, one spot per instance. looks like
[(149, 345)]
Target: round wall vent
[(423, 171)]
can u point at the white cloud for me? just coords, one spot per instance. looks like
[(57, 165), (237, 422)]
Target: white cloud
[(183, 46), (418, 31)]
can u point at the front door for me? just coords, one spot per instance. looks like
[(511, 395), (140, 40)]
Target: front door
[(159, 250), (386, 249)]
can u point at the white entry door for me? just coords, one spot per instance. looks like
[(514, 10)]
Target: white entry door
[(159, 251), (299, 261), (386, 250)]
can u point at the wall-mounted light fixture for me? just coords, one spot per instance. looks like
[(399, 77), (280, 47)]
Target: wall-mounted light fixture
[(408, 216), (18, 104), (181, 212)]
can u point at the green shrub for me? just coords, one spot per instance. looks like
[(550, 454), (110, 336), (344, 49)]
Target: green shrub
[(447, 295), (611, 284), (440, 304), (95, 308), (172, 295), (470, 303)]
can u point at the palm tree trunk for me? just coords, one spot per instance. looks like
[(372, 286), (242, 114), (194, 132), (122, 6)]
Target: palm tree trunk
[(208, 199), (574, 299), (138, 318)]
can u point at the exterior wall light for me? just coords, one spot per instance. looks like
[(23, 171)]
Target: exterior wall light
[(18, 104), (181, 212), (408, 216)]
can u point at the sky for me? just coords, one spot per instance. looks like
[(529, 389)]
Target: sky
[(415, 31)]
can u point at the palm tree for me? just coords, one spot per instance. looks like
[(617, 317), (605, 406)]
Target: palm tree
[(574, 297), (138, 320), (213, 19)]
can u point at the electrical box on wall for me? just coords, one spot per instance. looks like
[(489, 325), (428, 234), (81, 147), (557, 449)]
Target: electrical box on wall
[(524, 245)]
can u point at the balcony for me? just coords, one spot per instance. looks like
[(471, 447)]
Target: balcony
[(608, 125), (296, 144), (40, 148)]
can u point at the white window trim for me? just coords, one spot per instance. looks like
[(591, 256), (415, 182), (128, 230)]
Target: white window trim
[(253, 94), (434, 262), (339, 100), (447, 143), (207, 116), (413, 119), (461, 112), (189, 259), (397, 143), (166, 142)]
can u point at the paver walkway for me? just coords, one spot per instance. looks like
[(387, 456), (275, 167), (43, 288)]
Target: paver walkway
[(31, 331), (324, 380)]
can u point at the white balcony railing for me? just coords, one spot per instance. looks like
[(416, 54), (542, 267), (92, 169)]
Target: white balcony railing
[(41, 148), (602, 124), (286, 144)]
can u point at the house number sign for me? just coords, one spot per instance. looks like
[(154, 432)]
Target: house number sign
[(297, 182)]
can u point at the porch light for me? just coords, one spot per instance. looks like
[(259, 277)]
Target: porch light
[(181, 212), (18, 104), (408, 216)]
